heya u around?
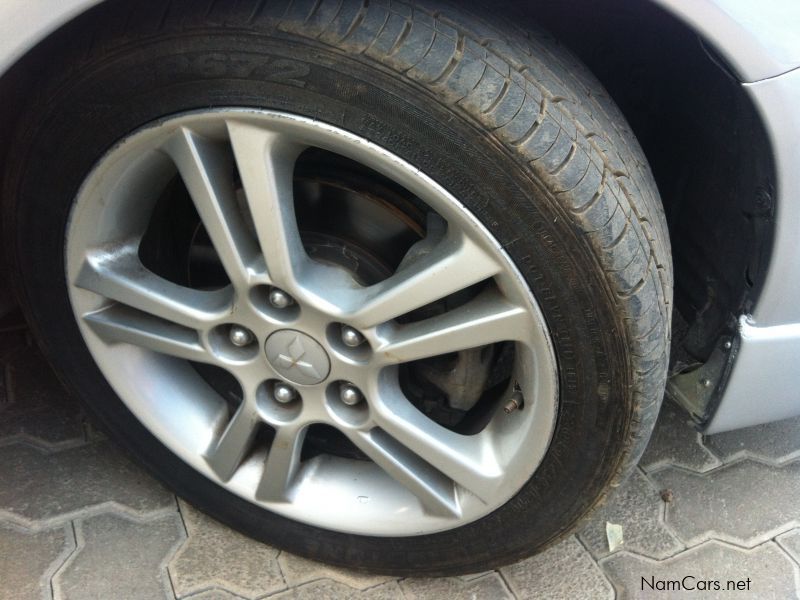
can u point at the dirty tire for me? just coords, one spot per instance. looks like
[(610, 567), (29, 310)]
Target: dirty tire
[(508, 121)]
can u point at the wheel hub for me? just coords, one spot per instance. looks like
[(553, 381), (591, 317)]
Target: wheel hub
[(297, 357)]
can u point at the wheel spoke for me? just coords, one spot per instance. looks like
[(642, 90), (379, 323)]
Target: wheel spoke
[(207, 169), (453, 265), (266, 165), (226, 455), (120, 276), (282, 463), (487, 319), (117, 324), (435, 491), (468, 461)]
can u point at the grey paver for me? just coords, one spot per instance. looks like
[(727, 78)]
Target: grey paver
[(563, 571), (119, 558), (746, 502), (216, 556), (39, 485), (213, 595), (676, 442), (325, 589), (297, 571), (471, 576), (39, 408), (129, 531), (638, 508), (454, 588), (28, 558), (790, 542), (771, 573), (778, 441)]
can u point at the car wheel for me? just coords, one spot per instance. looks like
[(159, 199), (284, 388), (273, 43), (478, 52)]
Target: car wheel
[(361, 281)]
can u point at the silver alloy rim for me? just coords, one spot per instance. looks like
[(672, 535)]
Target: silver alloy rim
[(143, 330)]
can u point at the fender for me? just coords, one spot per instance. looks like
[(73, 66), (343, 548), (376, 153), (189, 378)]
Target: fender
[(758, 41), (25, 23)]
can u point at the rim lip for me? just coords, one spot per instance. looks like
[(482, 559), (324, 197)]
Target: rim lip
[(116, 361)]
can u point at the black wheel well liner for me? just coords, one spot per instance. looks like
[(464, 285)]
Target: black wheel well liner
[(707, 146)]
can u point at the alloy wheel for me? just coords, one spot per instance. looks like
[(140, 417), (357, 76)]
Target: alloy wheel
[(307, 340)]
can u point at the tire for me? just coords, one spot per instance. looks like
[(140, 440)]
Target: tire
[(517, 130)]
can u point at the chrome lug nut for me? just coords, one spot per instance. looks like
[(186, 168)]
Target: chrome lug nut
[(351, 337), (284, 393), (240, 336), (350, 394), (280, 299)]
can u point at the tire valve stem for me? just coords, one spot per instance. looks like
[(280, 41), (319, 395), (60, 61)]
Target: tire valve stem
[(516, 402)]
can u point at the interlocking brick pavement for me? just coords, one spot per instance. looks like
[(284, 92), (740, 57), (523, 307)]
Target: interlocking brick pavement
[(78, 520)]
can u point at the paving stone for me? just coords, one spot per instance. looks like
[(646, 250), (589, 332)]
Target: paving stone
[(215, 556), (676, 442), (638, 508), (39, 485), (121, 556), (118, 557), (38, 407), (471, 576), (325, 589), (790, 542), (298, 570), (771, 573), (778, 441), (28, 559), (563, 571), (455, 588), (213, 595), (746, 502)]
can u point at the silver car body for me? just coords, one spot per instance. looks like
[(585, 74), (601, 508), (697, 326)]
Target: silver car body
[(760, 42)]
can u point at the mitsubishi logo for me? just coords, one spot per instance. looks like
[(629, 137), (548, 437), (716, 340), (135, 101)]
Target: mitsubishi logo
[(293, 359), (297, 357)]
